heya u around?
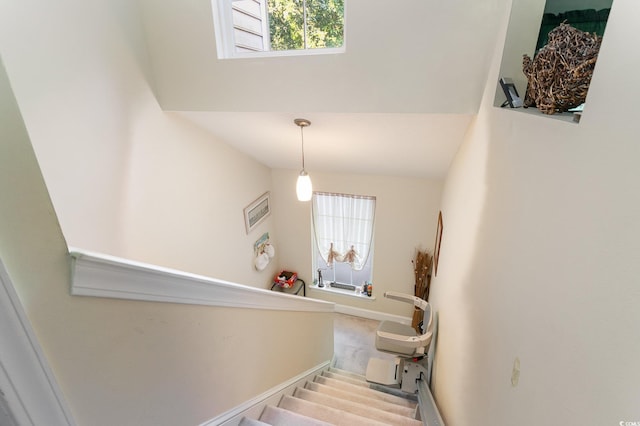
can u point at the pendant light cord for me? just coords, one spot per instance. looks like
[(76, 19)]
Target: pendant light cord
[(302, 135), (302, 123)]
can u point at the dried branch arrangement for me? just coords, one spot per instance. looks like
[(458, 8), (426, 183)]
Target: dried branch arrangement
[(421, 270), (560, 74), (421, 267)]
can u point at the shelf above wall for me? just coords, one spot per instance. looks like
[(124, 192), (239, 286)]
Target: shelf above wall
[(524, 28), (567, 117)]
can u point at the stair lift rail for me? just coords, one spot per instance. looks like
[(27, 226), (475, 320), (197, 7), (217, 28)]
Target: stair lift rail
[(427, 405)]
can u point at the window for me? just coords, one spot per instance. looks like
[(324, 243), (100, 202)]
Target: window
[(343, 237), (278, 27)]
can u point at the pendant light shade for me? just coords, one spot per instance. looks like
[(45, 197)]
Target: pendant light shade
[(304, 188)]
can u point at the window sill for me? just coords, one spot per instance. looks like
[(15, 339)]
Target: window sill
[(342, 292), (283, 53)]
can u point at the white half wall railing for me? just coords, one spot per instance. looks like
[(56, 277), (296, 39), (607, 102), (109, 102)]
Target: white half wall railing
[(101, 275)]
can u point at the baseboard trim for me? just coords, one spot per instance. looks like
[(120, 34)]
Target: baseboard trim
[(374, 315), (253, 407)]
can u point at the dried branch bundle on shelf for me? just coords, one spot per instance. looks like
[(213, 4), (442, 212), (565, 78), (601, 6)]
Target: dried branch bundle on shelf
[(560, 74), (421, 267), (421, 270)]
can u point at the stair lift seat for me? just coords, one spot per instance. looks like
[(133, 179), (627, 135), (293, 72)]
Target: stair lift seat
[(403, 341)]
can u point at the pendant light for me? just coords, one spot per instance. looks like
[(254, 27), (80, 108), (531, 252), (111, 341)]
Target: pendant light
[(303, 186)]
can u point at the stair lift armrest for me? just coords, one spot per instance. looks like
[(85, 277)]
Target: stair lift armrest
[(407, 298), (406, 341)]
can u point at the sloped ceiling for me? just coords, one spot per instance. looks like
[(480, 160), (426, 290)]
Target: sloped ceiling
[(398, 101)]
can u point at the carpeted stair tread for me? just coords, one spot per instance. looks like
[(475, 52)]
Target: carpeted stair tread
[(345, 379), (348, 374), (371, 393), (326, 414), (252, 422), (282, 417), (371, 411), (362, 399)]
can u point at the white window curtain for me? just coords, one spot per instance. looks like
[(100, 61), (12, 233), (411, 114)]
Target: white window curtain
[(343, 225)]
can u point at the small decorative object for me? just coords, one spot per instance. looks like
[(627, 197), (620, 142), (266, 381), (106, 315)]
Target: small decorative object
[(332, 256), (436, 250), (577, 116), (268, 248), (350, 256), (422, 272), (510, 91), (286, 279), (560, 74), (257, 212), (263, 251), (262, 261)]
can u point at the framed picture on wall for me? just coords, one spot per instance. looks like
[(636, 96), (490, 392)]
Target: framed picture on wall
[(257, 212), (436, 249)]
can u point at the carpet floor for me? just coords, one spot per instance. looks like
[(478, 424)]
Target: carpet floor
[(354, 343)]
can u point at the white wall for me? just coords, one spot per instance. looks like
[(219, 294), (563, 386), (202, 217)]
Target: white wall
[(121, 185), (135, 363), (185, 198), (126, 178), (75, 103), (538, 258), (406, 218), (520, 39), (407, 43)]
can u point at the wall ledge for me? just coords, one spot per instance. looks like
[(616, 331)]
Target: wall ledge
[(100, 275)]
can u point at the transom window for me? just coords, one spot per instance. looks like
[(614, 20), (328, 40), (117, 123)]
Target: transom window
[(278, 27), (343, 237)]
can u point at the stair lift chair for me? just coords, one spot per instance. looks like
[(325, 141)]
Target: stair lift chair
[(409, 347)]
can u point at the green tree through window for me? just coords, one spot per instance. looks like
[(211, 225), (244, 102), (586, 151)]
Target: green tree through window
[(324, 24)]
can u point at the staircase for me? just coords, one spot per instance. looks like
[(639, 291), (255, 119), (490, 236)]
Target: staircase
[(338, 397)]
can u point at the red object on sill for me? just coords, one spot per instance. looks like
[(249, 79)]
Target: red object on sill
[(286, 279)]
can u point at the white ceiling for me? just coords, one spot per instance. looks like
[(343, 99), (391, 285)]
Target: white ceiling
[(398, 102), (418, 145)]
